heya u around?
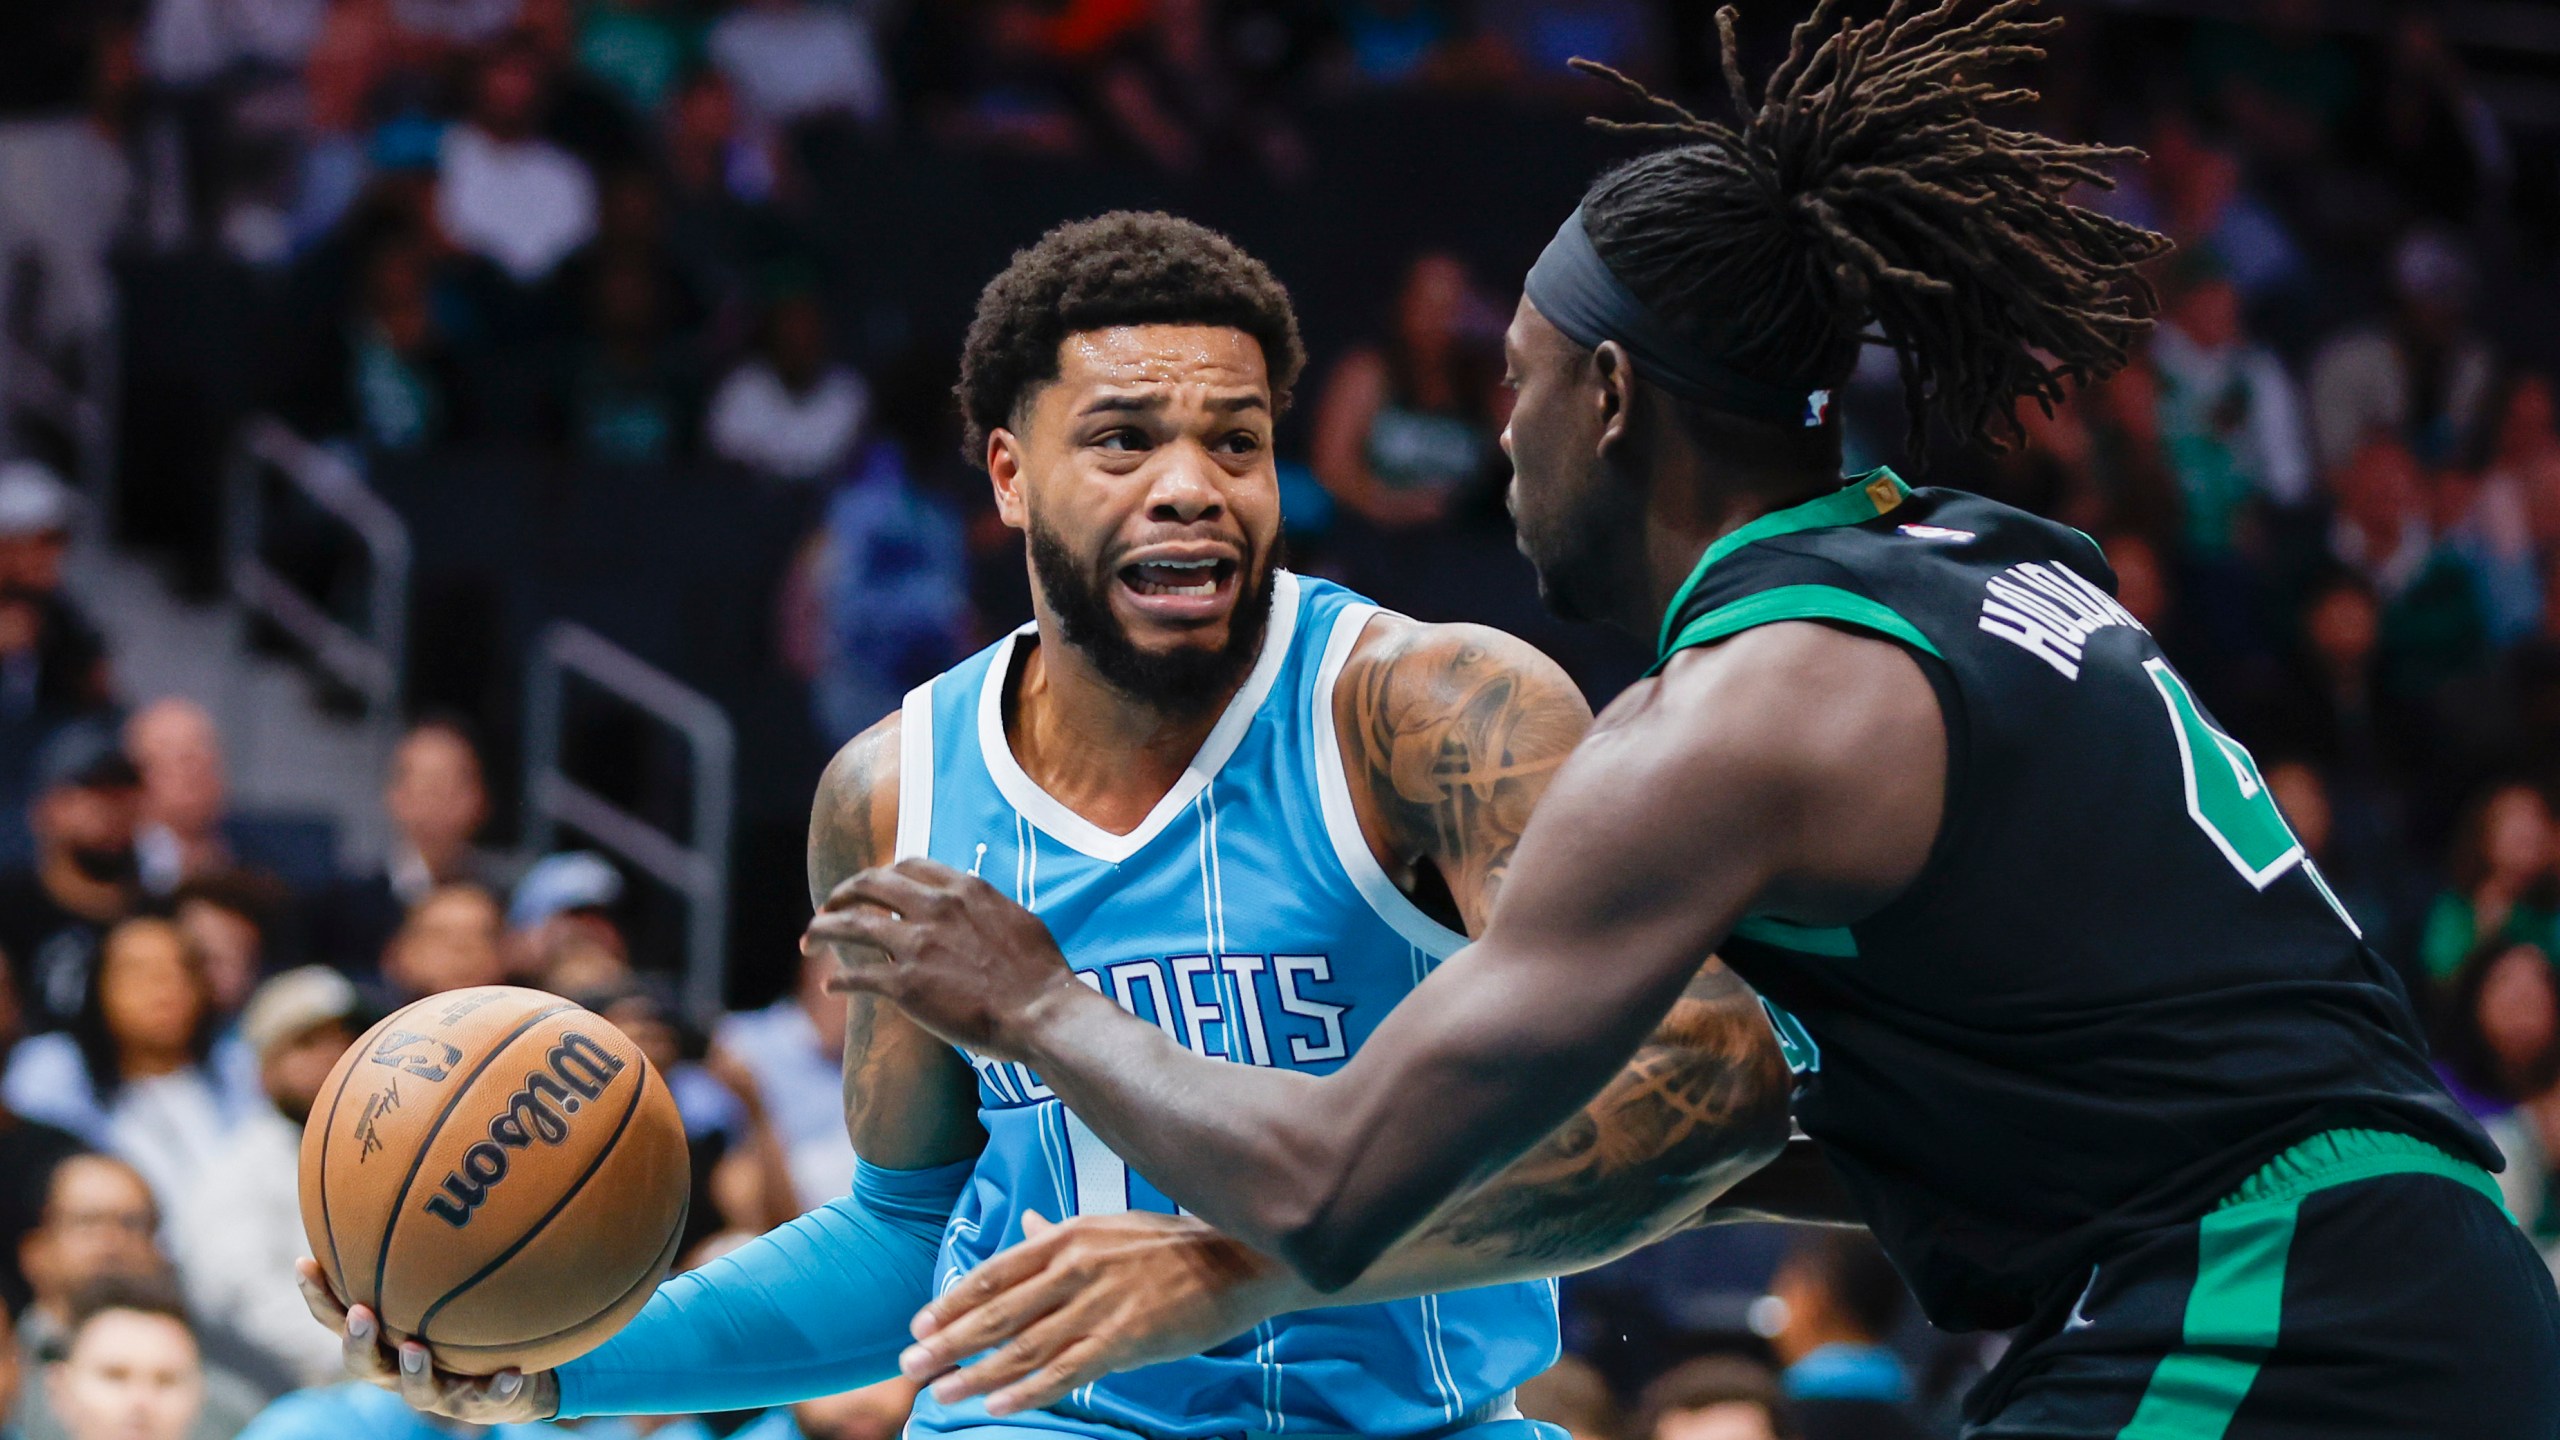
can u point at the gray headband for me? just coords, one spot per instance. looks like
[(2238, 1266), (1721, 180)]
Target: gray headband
[(1581, 296)]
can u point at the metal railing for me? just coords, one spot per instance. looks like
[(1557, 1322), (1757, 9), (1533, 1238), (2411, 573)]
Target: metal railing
[(696, 868), (86, 414), (369, 660)]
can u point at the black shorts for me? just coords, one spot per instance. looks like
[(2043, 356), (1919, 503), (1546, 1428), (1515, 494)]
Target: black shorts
[(2363, 1285)]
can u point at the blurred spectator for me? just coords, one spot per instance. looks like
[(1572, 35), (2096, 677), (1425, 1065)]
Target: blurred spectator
[(561, 934), (185, 793), (2229, 413), (227, 916), (2499, 1043), (2524, 460), (2501, 881), (638, 47), (2381, 527), (632, 226), (83, 879), (506, 192), (1720, 1397), (437, 805), (456, 23), (879, 600), (795, 1049), (2485, 536), (1532, 40), (794, 60), (65, 177), (1574, 1395), (2423, 375), (133, 1074), (1842, 1300), (791, 411), (29, 1149), (2356, 853), (129, 1368), (53, 665), (2497, 1035), (634, 395), (1402, 426), (99, 1220), (389, 377), (451, 940), (238, 1230)]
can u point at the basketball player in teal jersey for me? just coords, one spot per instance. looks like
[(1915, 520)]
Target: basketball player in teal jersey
[(1255, 811), (2080, 1026)]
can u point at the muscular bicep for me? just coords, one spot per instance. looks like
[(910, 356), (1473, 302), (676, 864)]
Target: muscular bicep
[(1450, 735), (910, 1101), (1796, 771)]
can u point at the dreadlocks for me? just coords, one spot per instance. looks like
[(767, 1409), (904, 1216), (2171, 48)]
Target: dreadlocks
[(1866, 189)]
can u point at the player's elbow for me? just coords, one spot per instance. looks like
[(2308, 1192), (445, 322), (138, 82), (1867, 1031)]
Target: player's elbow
[(1327, 1255)]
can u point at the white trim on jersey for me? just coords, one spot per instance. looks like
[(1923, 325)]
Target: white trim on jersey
[(1068, 828), (915, 772), (1342, 818)]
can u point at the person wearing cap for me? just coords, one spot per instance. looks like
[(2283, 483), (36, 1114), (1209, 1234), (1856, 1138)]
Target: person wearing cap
[(238, 1230), (2423, 374), (83, 876), (561, 935), (52, 663)]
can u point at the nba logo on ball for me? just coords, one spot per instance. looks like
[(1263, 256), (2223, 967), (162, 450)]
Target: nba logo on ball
[(1817, 408)]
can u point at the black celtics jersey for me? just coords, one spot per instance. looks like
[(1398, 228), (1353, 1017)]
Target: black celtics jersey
[(2119, 985)]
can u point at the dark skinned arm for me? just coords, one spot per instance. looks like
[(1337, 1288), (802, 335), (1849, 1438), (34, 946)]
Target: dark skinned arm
[(1450, 734), (1795, 770), (910, 1101), (1799, 1187)]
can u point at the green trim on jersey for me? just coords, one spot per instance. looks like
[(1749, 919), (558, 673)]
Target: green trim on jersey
[(2237, 1305), (1834, 941), (1796, 602), (1864, 498)]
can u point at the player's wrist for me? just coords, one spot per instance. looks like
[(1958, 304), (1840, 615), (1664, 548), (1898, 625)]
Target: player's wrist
[(1048, 1024), (542, 1395)]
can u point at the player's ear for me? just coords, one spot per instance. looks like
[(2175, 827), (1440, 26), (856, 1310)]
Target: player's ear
[(1612, 391), (1004, 472)]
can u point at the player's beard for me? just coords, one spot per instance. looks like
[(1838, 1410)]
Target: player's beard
[(1181, 682)]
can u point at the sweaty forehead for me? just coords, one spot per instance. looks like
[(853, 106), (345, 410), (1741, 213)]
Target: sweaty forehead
[(1217, 358)]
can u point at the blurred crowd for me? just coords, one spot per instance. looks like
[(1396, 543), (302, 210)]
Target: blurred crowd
[(597, 231)]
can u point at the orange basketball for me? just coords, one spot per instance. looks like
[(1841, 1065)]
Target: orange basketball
[(496, 1172)]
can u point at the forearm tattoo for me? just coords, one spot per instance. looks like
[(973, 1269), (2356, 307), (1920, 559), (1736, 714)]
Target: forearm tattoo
[(1702, 1104)]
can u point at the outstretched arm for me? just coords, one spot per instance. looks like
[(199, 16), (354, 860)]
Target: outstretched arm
[(1795, 769)]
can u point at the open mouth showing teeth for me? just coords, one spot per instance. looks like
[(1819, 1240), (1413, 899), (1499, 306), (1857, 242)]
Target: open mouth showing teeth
[(1195, 578)]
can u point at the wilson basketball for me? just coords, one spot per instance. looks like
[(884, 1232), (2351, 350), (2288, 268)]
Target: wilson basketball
[(496, 1172)]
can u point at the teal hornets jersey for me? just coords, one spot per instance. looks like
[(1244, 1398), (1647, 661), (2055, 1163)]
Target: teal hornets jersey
[(1247, 916)]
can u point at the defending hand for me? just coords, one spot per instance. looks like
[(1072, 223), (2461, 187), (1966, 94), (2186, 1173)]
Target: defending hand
[(508, 1397), (965, 962), (1078, 1301)]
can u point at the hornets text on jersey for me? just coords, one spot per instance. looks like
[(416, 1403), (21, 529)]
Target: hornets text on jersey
[(1247, 916)]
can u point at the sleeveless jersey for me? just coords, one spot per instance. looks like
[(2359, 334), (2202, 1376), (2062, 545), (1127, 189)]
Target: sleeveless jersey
[(2118, 985), (1247, 916)]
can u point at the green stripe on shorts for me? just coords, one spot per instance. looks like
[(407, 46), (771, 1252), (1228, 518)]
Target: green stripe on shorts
[(2237, 1305)]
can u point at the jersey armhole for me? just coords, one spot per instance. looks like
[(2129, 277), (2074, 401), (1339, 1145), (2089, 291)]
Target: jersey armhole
[(915, 773), (1342, 818), (1833, 604)]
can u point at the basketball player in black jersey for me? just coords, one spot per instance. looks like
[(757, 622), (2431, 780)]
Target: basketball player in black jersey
[(2077, 1022)]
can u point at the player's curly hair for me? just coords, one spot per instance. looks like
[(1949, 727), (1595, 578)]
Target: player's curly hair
[(1126, 268), (1866, 188)]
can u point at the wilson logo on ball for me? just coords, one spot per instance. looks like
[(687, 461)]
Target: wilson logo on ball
[(579, 1070)]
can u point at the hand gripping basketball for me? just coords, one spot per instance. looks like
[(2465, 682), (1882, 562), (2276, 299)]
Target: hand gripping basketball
[(508, 1397)]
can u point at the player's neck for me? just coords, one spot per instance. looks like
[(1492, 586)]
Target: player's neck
[(1096, 749), (1698, 501)]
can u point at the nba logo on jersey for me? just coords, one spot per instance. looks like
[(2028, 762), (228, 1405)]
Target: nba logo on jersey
[(1817, 408)]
